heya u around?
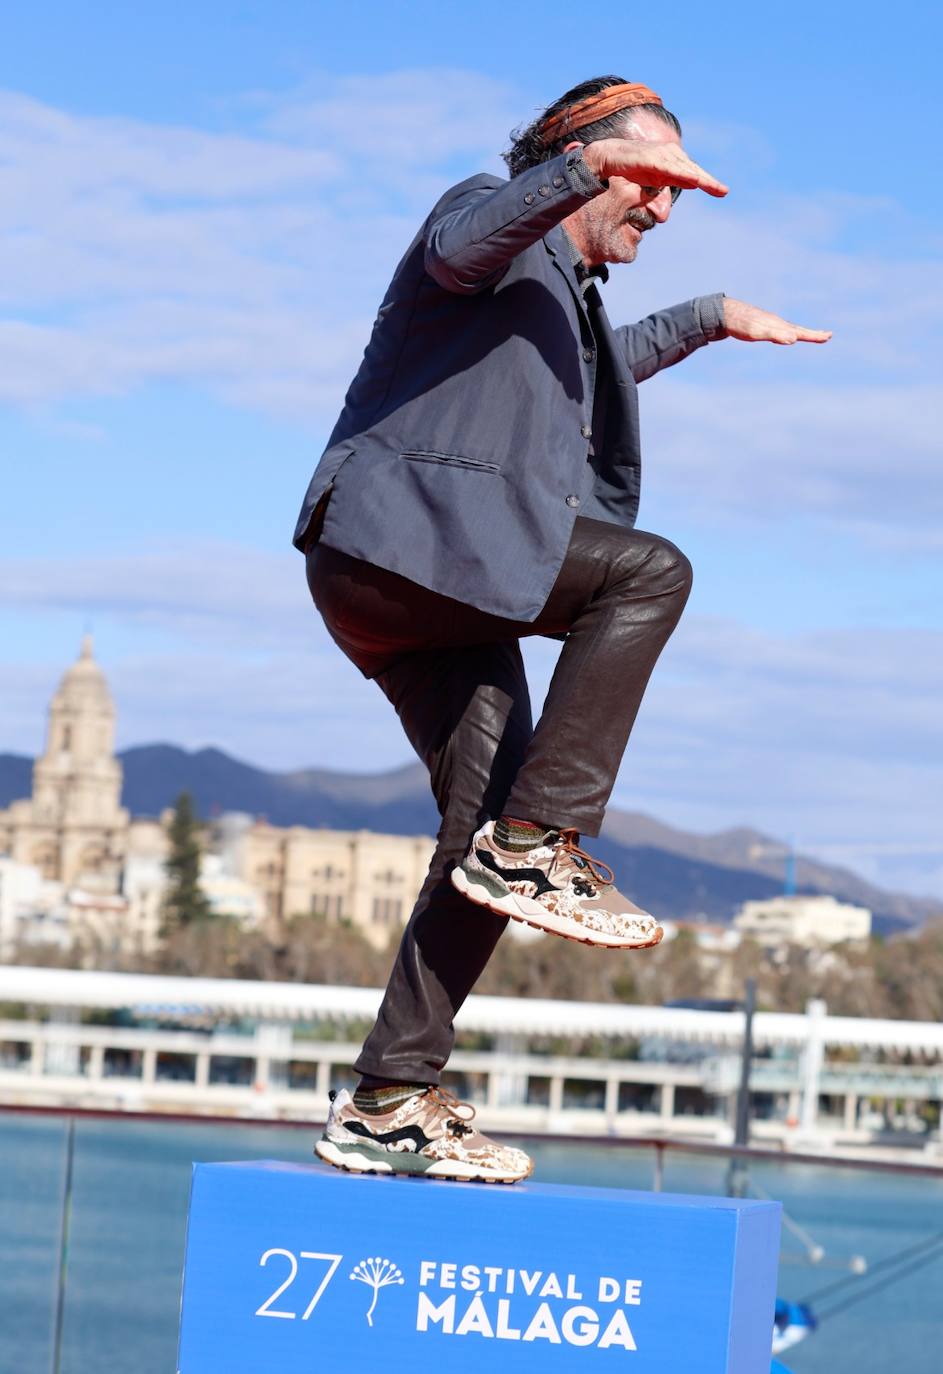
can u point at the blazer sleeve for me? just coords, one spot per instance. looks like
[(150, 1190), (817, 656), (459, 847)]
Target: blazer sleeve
[(476, 230), (663, 339)]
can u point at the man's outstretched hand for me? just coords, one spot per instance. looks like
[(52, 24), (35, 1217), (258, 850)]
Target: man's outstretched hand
[(754, 325), (649, 164)]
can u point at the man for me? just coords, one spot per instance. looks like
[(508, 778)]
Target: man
[(481, 485)]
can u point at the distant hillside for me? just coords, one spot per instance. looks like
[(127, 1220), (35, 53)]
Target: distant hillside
[(742, 849), (674, 872), (397, 802)]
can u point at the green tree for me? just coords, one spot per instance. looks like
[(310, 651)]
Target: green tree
[(185, 903)]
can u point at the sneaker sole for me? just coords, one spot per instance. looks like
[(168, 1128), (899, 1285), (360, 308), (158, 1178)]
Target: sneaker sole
[(531, 913), (358, 1161)]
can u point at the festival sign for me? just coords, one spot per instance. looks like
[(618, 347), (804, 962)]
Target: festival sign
[(294, 1268)]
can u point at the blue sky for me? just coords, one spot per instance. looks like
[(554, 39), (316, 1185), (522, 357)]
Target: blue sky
[(199, 209)]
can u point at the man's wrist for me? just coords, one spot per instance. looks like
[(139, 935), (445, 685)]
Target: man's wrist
[(593, 157), (583, 175)]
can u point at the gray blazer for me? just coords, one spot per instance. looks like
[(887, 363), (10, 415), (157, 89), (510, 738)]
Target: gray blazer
[(461, 457)]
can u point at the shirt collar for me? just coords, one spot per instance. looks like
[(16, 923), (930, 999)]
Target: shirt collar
[(584, 275)]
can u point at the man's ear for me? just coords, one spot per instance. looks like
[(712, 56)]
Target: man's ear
[(574, 143)]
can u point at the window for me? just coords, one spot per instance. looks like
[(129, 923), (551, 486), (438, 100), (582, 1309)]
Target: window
[(328, 872), (387, 911), (327, 904)]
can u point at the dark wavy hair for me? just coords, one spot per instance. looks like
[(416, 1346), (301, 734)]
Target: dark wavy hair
[(528, 148)]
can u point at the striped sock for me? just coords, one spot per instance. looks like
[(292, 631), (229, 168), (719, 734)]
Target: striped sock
[(373, 1096), (518, 836)]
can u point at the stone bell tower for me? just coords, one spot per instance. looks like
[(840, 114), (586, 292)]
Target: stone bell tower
[(79, 828)]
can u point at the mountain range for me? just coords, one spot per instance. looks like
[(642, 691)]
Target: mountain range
[(675, 872)]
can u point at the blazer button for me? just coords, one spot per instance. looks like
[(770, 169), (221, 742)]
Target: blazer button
[(529, 198), (573, 501), (544, 190), (558, 182), (586, 431), (588, 355)]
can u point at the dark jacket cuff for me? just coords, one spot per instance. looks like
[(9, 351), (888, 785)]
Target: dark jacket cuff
[(580, 177), (710, 311)]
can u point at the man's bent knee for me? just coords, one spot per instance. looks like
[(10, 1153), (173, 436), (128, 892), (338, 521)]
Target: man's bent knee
[(663, 568), (673, 567)]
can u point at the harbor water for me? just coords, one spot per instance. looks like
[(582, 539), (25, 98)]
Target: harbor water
[(128, 1222)]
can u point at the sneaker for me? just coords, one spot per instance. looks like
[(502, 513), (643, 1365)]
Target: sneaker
[(429, 1134), (555, 887)]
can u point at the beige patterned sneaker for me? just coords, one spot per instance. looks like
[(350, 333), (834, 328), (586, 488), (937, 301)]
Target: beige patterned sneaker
[(555, 887), (429, 1135)]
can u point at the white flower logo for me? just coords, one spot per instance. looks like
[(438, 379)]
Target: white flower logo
[(377, 1273)]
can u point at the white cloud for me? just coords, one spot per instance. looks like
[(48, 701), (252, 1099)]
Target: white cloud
[(82, 155), (864, 459), (382, 124), (252, 264), (301, 704), (727, 148), (202, 593)]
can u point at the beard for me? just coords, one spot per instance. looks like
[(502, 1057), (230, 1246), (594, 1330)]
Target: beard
[(622, 248), (640, 220), (619, 248), (605, 231)]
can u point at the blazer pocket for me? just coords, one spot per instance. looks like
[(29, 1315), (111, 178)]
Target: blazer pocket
[(451, 460)]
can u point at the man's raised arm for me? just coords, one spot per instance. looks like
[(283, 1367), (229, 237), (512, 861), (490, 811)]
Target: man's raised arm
[(663, 339), (473, 235)]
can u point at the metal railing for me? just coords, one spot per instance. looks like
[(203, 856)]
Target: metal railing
[(270, 1072)]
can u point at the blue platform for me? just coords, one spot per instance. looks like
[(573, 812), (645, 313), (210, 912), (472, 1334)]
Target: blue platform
[(297, 1268)]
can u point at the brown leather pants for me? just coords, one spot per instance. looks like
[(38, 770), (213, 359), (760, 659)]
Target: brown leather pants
[(456, 680)]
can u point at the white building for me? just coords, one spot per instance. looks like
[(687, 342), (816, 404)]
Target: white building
[(802, 920), (228, 894), (711, 937), (21, 886)]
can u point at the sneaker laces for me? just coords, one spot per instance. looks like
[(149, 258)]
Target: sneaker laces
[(568, 848), (441, 1097)]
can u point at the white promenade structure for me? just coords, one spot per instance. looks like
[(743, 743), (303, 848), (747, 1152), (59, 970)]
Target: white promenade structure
[(273, 1049)]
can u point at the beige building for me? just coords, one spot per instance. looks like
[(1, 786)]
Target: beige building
[(371, 880), (807, 921), (74, 838)]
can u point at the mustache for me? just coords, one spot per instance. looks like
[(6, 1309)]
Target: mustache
[(641, 220)]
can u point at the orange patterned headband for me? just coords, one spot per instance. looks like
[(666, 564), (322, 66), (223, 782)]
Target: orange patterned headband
[(606, 102)]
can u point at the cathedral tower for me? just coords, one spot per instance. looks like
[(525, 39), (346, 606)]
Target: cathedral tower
[(74, 829), (78, 780)]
